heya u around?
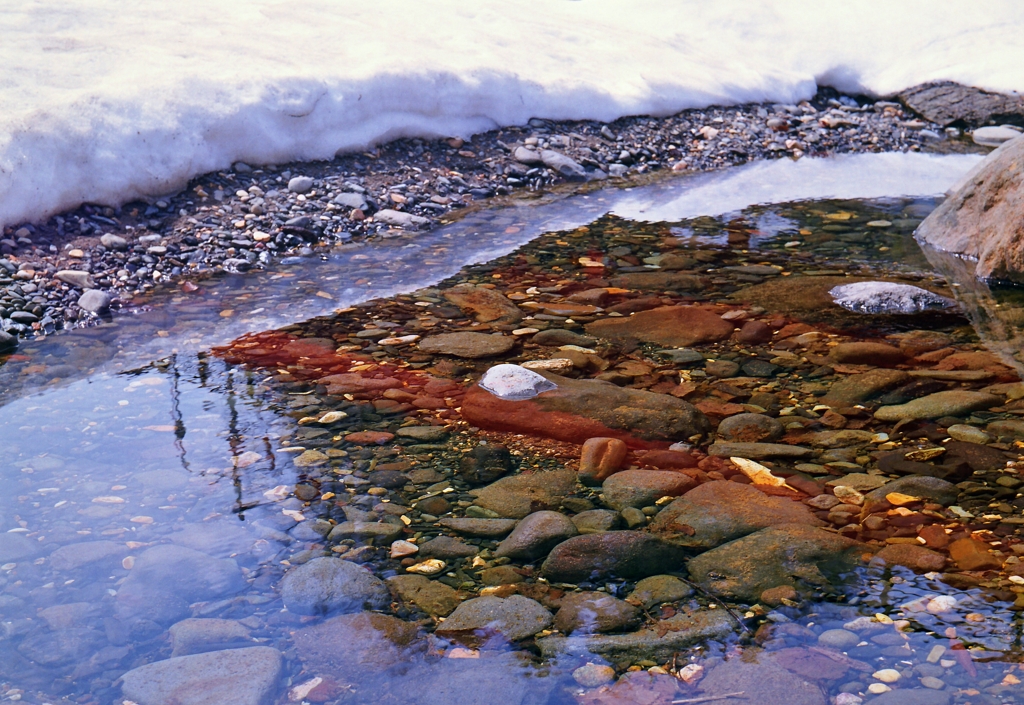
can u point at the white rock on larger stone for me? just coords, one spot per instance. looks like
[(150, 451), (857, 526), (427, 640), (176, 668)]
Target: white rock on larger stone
[(515, 383), (995, 135), (886, 297), (238, 676)]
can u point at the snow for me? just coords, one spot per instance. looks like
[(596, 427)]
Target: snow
[(106, 101)]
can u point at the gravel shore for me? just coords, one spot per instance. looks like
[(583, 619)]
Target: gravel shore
[(81, 264)]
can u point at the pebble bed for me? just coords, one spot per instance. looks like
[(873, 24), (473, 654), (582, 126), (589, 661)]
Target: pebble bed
[(78, 265)]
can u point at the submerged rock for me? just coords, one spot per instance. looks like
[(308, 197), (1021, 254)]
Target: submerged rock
[(325, 585), (517, 496), (886, 297), (363, 641), (933, 406), (670, 326), (762, 680), (238, 676), (535, 535), (627, 554), (515, 618)]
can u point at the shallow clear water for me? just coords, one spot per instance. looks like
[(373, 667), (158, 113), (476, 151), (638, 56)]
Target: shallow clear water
[(131, 435)]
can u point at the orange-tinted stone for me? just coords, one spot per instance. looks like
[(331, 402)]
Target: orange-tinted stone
[(600, 458), (369, 437), (969, 554)]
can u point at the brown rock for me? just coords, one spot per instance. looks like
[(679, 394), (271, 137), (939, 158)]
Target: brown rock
[(660, 281), (600, 458), (490, 306), (434, 598), (969, 554), (774, 596), (369, 437), (364, 640), (983, 219), (641, 488), (352, 383), (754, 333), (934, 536), (581, 409), (591, 612), (667, 460), (467, 345), (857, 388), (671, 326), (877, 354), (913, 557), (627, 554), (517, 496)]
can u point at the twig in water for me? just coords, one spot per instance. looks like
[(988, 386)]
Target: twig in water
[(707, 699), (724, 606)]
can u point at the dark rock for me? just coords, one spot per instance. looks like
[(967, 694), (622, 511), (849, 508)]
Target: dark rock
[(931, 489), (717, 512), (750, 428), (485, 464), (484, 528), (515, 618), (326, 585), (447, 548), (595, 612), (657, 590), (858, 388), (593, 521), (627, 554), (949, 103), (670, 326), (560, 336), (536, 535)]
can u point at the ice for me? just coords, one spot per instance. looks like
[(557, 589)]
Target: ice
[(515, 383), (885, 297), (106, 101)]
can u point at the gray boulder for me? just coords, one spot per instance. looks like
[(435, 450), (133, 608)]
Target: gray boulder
[(514, 617), (326, 585), (536, 535), (237, 676)]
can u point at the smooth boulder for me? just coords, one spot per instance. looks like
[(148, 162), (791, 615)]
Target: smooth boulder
[(326, 585)]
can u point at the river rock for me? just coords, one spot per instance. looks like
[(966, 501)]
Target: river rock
[(485, 463), (750, 428), (375, 533), (325, 585), (1007, 428), (7, 341), (350, 199), (657, 281), (488, 305), (995, 135), (717, 512), (641, 488), (913, 557), (536, 535), (877, 354), (948, 103), (400, 219), (194, 636), (657, 590), (467, 345), (113, 242), (859, 388), (626, 554), (483, 528), (560, 336), (580, 409), (594, 521), (300, 184), (786, 554), (566, 166), (954, 402), (913, 696), (887, 297), (95, 301), (15, 547), (980, 219), (434, 598), (758, 451), (669, 326), (517, 496), (447, 548), (659, 642), (74, 277), (351, 643), (762, 680), (165, 578), (514, 617), (931, 489), (595, 612), (238, 676)]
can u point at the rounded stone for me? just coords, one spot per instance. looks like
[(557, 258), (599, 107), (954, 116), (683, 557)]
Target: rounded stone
[(592, 675), (467, 345), (326, 585), (751, 428), (839, 639), (639, 488), (515, 617), (536, 535)]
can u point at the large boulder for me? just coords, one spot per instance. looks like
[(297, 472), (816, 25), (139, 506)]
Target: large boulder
[(239, 676), (580, 409), (325, 585), (716, 512), (789, 554), (983, 218), (627, 554), (949, 103)]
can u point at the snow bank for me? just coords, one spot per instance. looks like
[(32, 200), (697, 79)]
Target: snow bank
[(106, 101)]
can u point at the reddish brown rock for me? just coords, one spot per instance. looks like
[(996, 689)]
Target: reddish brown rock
[(641, 488), (754, 333), (351, 383), (913, 557), (934, 536), (671, 326), (857, 388), (969, 554), (877, 354), (628, 554), (660, 281), (600, 458), (667, 460), (581, 409), (490, 306), (369, 437)]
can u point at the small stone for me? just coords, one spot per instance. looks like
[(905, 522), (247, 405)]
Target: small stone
[(657, 590), (400, 219), (240, 676), (968, 434), (750, 428), (969, 554), (839, 639), (433, 597), (600, 458), (592, 675), (300, 184), (887, 675), (113, 242), (593, 612), (633, 517), (995, 135), (640, 488), (95, 301)]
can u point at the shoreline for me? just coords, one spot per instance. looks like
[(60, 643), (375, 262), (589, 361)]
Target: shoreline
[(248, 217)]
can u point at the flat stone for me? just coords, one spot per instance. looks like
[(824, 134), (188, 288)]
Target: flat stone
[(567, 167), (483, 528), (762, 680), (970, 554), (519, 495), (113, 242), (350, 199), (843, 438), (595, 521), (424, 434), (514, 617), (838, 639), (582, 409), (947, 103), (658, 643), (447, 548), (950, 403), (560, 336), (1006, 428), (434, 598), (750, 428), (627, 554), (15, 547), (300, 184), (641, 488), (74, 277), (758, 451), (485, 463), (527, 156), (657, 590), (786, 554), (366, 532), (536, 535), (931, 489), (488, 305), (913, 557), (467, 345), (595, 612), (95, 301), (662, 281), (860, 481), (995, 135), (238, 676), (669, 326), (360, 642), (717, 512), (399, 219), (877, 354), (888, 298), (913, 696), (326, 585), (194, 636)]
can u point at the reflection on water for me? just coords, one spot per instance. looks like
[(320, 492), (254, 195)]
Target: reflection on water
[(147, 483)]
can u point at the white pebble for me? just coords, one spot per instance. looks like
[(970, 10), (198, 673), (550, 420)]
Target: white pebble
[(887, 675)]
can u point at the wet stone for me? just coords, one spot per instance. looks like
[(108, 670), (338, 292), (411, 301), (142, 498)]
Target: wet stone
[(594, 612), (365, 641), (447, 548), (593, 521), (517, 496), (326, 585), (750, 428), (762, 680), (485, 464), (515, 618), (15, 547), (658, 589), (243, 676), (933, 406), (434, 598), (484, 528), (914, 557), (536, 535), (467, 345), (627, 554), (640, 488), (193, 636), (501, 575)]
